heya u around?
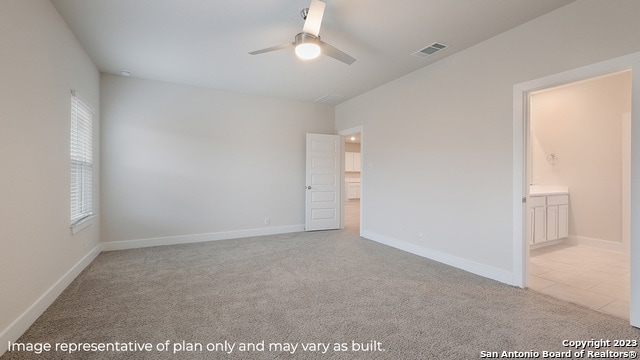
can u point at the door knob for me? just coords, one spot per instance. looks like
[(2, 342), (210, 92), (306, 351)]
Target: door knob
[(309, 187)]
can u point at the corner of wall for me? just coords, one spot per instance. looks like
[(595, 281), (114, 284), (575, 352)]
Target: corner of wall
[(27, 318)]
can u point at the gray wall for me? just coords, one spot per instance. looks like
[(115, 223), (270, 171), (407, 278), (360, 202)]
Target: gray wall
[(181, 161), (41, 62)]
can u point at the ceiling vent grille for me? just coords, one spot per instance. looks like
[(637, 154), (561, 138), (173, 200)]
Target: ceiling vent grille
[(328, 99), (429, 50)]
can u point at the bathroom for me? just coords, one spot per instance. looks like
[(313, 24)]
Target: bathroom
[(579, 158)]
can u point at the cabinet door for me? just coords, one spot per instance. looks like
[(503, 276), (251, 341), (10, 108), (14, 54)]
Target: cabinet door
[(348, 161), (552, 222), (563, 221), (356, 161), (539, 224), (353, 191), (531, 219)]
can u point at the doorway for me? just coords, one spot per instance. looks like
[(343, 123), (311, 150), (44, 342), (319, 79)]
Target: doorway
[(576, 137), (352, 179), (522, 92)]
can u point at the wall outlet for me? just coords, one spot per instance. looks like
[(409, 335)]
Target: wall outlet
[(421, 237), (401, 234), (267, 221)]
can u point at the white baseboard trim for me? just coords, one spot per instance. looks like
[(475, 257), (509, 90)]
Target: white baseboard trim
[(597, 243), (546, 243), (457, 262), (24, 321), (195, 238)]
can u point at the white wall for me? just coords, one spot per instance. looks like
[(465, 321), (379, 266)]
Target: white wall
[(439, 141), (582, 125), (183, 163), (41, 62)]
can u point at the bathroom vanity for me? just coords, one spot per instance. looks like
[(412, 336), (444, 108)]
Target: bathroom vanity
[(548, 211), (353, 188)]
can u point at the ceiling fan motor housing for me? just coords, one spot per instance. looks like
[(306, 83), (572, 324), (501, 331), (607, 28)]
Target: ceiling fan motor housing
[(305, 38)]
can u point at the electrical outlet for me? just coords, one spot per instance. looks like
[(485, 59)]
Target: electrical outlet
[(420, 237), (401, 233), (267, 221)]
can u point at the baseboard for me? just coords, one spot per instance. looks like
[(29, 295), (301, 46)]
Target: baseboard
[(24, 321), (597, 243), (195, 238), (546, 243), (448, 259)]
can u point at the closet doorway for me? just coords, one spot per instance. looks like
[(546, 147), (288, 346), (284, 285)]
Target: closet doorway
[(352, 179)]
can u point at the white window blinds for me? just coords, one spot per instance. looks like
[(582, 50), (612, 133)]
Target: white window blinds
[(81, 160)]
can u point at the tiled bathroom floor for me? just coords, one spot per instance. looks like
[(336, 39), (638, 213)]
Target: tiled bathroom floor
[(592, 277)]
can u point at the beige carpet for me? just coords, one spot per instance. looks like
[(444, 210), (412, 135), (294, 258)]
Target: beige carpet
[(332, 292)]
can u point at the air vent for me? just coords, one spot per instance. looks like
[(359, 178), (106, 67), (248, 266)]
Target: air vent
[(429, 50), (328, 99)]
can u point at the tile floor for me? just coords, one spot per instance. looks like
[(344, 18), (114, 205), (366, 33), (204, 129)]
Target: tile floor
[(352, 215), (592, 277)]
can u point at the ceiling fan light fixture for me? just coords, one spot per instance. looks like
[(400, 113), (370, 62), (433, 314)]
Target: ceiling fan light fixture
[(307, 46), (308, 51), (307, 43)]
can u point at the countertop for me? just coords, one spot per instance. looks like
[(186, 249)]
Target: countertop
[(542, 190)]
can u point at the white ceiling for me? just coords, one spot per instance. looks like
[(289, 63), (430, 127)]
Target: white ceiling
[(206, 42)]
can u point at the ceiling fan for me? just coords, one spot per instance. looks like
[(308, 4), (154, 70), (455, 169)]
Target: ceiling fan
[(307, 43)]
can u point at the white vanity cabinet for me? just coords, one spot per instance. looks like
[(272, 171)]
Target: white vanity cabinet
[(548, 216), (353, 190), (537, 219), (351, 161)]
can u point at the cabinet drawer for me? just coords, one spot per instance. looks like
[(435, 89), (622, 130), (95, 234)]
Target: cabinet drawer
[(557, 200), (535, 201)]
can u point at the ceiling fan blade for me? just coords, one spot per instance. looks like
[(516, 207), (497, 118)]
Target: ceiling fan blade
[(273, 48), (314, 18), (335, 53)]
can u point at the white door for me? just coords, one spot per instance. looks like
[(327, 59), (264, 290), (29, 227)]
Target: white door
[(323, 182)]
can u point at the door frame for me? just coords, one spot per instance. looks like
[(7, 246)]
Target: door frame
[(521, 94), (342, 133)]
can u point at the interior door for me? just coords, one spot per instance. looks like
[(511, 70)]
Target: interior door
[(323, 182)]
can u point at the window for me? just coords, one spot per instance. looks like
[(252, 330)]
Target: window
[(81, 160)]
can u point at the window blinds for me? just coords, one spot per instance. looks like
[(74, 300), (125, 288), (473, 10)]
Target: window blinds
[(81, 160)]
